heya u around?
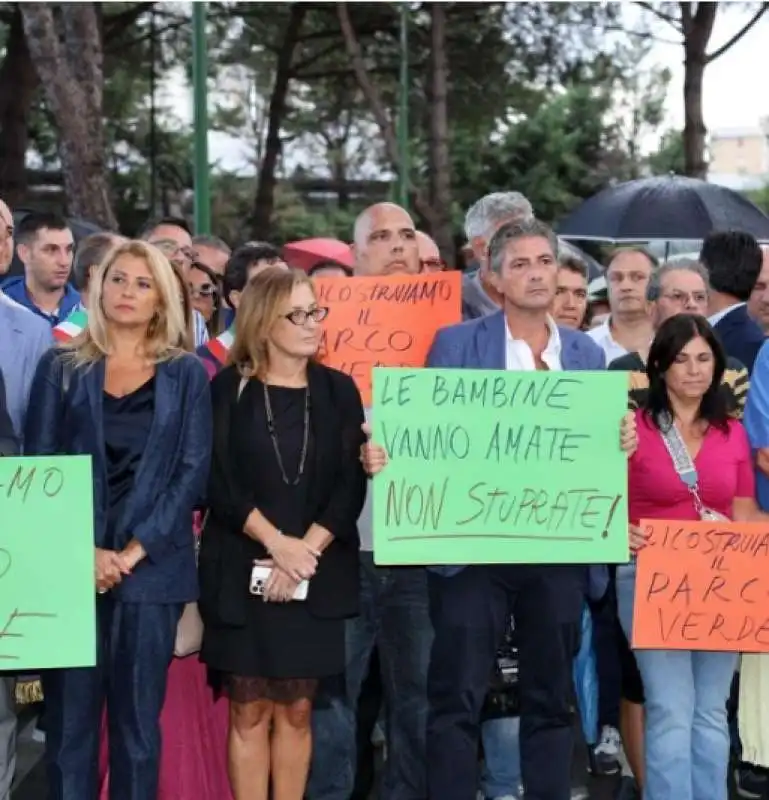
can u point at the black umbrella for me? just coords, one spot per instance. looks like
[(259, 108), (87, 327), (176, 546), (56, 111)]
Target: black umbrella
[(671, 207)]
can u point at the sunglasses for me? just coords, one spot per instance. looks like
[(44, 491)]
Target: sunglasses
[(205, 290)]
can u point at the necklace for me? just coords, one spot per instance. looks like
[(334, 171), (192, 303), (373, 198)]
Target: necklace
[(274, 437)]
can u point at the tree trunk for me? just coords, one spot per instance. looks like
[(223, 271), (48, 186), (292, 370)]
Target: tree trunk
[(264, 202), (68, 61), (697, 28), (18, 81), (440, 167)]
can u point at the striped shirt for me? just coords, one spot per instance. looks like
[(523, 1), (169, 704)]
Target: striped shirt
[(734, 384)]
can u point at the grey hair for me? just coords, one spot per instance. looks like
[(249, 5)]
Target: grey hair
[(493, 209), (513, 231), (688, 264), (214, 242)]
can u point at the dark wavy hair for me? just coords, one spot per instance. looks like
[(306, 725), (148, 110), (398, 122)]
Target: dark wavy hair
[(671, 338)]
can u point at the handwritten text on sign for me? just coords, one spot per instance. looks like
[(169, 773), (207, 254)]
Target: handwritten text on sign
[(500, 467), (703, 586), (384, 322), (47, 616)]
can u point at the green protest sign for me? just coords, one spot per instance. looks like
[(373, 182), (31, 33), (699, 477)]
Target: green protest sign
[(500, 467), (47, 592)]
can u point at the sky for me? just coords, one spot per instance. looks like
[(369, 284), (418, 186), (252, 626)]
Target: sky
[(734, 95)]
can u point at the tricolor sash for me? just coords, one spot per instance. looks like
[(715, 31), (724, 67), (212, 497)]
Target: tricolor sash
[(71, 327), (220, 347)]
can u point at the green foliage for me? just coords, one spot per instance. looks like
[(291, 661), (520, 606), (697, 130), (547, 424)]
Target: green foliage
[(557, 156), (760, 197), (669, 156), (546, 98)]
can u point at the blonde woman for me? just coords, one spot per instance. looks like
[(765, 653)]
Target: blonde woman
[(125, 393), (284, 496)]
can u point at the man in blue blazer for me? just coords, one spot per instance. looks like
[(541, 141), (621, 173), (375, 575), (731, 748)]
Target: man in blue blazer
[(469, 606), (733, 261)]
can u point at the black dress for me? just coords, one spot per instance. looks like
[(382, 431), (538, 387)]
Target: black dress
[(127, 421), (283, 648)]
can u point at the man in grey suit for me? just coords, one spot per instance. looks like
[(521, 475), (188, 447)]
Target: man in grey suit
[(24, 337), (469, 606)]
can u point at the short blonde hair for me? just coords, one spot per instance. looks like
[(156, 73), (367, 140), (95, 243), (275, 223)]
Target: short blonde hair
[(166, 332), (258, 311)]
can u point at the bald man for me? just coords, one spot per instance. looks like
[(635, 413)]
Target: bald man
[(385, 241), (429, 254), (758, 304), (394, 615)]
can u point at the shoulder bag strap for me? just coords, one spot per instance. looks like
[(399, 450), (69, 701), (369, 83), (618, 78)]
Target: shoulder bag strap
[(682, 460)]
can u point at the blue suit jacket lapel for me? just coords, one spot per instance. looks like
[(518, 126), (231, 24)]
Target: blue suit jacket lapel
[(156, 455), (93, 378), (490, 342)]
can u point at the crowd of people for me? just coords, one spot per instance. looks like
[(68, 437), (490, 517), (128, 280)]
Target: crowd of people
[(232, 468)]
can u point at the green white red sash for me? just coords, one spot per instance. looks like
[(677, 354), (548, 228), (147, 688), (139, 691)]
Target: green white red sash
[(220, 347), (71, 327)]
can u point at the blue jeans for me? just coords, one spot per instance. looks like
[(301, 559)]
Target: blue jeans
[(501, 776), (687, 735), (394, 616)]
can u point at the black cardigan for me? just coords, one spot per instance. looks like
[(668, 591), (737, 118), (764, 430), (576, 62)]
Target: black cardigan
[(335, 500)]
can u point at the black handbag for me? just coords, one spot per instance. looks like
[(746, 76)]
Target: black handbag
[(503, 697)]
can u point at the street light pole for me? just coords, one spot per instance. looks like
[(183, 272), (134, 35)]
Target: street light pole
[(403, 112), (200, 119)]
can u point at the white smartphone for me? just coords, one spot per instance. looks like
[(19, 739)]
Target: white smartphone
[(260, 576)]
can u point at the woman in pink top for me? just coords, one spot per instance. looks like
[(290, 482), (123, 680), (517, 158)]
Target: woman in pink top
[(686, 419)]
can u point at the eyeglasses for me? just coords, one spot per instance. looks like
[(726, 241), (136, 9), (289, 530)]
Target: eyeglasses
[(700, 298), (432, 264), (205, 290), (299, 316)]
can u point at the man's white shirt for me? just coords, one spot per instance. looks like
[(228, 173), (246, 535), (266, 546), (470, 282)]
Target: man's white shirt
[(518, 354), (603, 338)]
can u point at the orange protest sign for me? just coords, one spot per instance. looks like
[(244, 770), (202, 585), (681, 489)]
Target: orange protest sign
[(703, 586), (384, 322)]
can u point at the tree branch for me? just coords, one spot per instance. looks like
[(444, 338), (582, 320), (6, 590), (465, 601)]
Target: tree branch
[(345, 73), (737, 36), (371, 93), (117, 24), (313, 59), (676, 23)]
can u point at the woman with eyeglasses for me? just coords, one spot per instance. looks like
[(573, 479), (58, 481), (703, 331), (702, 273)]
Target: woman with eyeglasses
[(279, 555), (205, 292)]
